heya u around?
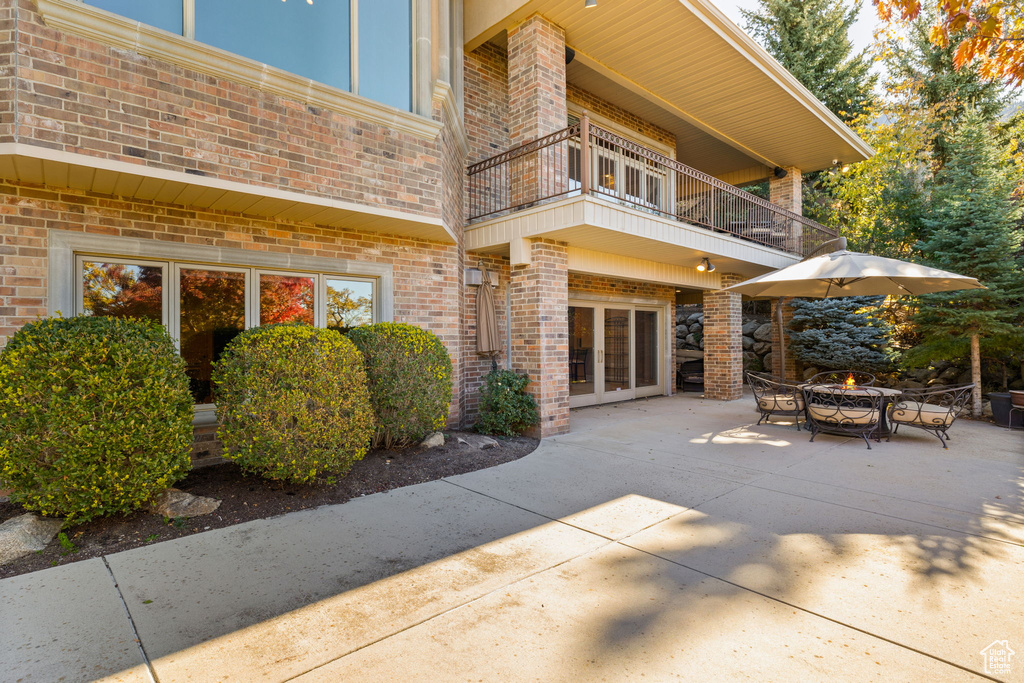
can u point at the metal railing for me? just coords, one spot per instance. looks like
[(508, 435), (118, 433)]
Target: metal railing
[(610, 166)]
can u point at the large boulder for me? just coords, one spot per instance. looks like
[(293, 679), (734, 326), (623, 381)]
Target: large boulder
[(751, 326), (768, 363), (691, 340), (748, 343), (695, 318), (763, 332), (762, 347), (696, 328), (26, 534)]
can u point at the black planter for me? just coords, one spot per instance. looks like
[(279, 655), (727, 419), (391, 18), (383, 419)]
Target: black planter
[(1001, 405)]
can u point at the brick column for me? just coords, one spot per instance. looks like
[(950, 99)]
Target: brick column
[(723, 342), (540, 331), (788, 193), (792, 368), (536, 106)]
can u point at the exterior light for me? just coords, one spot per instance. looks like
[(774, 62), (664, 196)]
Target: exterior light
[(780, 172), (706, 265), (590, 3)]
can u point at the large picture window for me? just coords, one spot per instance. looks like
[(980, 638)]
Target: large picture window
[(205, 306), (361, 46)]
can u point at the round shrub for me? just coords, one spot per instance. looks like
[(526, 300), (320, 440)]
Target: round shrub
[(95, 416), (292, 402), (410, 377), (505, 407)]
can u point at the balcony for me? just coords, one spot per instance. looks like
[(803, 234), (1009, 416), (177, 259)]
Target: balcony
[(585, 160)]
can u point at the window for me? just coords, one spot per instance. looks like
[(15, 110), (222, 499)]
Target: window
[(165, 14), (309, 38), (204, 307)]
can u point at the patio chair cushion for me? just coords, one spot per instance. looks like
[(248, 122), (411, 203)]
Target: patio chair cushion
[(848, 416), (780, 402), (921, 413)]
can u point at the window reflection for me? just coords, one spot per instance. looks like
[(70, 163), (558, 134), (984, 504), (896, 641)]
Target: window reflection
[(286, 299), (121, 290), (212, 314), (349, 303), (310, 39), (165, 14), (385, 52)]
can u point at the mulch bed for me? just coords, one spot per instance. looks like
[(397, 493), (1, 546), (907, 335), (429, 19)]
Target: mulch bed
[(244, 498)]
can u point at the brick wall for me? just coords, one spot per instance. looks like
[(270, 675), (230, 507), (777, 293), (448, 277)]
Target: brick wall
[(486, 102), (610, 286), (723, 342), (77, 95), (540, 335), (787, 192), (8, 24), (595, 105)]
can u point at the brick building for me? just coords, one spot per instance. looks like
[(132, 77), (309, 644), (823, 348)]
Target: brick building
[(354, 159)]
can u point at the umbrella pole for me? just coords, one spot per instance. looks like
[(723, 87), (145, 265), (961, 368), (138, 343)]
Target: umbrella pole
[(782, 339)]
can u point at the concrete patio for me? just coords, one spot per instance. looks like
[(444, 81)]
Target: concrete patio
[(664, 539)]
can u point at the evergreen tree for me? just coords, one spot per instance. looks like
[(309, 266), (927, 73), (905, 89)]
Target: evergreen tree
[(972, 229), (841, 333), (811, 39)]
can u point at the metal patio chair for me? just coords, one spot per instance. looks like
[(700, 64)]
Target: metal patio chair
[(844, 411), (775, 397), (933, 410)]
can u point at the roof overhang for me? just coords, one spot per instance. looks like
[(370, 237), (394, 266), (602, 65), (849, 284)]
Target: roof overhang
[(61, 169), (687, 60), (605, 227)]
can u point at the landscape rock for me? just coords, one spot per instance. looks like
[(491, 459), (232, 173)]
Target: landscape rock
[(433, 441), (750, 327), (767, 361), (26, 534), (696, 328), (809, 373), (478, 441), (763, 332), (695, 318), (748, 343), (175, 503), (762, 347), (949, 374), (691, 340)]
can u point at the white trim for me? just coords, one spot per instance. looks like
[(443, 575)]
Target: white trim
[(110, 29), (619, 129)]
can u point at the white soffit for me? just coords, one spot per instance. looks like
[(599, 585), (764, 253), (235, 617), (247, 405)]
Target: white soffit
[(60, 169), (601, 226), (688, 58)]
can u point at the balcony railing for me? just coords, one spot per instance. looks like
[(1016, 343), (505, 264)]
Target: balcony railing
[(610, 166)]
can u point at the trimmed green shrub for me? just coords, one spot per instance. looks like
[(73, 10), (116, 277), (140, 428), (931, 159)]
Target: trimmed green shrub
[(505, 407), (292, 402), (410, 377), (95, 416)]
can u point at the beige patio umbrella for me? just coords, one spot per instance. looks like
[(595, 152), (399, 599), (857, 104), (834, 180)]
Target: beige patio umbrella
[(487, 339), (850, 273)]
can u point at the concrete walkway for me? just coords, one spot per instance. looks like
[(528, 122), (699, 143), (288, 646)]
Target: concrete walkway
[(661, 539)]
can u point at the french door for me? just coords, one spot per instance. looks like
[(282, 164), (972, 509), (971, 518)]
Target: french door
[(614, 352)]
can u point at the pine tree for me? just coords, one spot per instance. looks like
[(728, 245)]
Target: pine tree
[(972, 229), (811, 39), (841, 333)]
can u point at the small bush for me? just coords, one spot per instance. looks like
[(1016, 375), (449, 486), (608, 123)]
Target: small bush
[(95, 416), (505, 407), (292, 402), (410, 377)]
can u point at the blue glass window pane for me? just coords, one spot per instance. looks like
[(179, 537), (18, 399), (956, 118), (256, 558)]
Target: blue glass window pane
[(165, 14), (385, 52), (308, 39)]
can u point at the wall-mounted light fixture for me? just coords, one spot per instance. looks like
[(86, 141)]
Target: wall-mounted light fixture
[(590, 3), (780, 172), (706, 265)]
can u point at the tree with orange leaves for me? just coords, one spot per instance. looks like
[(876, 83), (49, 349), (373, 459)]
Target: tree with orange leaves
[(989, 34)]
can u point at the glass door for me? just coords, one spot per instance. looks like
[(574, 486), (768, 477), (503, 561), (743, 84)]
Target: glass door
[(614, 353)]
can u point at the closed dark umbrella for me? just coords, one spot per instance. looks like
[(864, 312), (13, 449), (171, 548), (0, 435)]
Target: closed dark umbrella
[(487, 341)]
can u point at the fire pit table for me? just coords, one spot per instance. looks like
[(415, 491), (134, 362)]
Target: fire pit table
[(854, 400)]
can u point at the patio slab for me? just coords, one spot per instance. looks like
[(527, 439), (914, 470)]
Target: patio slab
[(67, 623), (620, 615)]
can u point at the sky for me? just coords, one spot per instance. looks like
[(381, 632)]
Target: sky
[(860, 32)]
